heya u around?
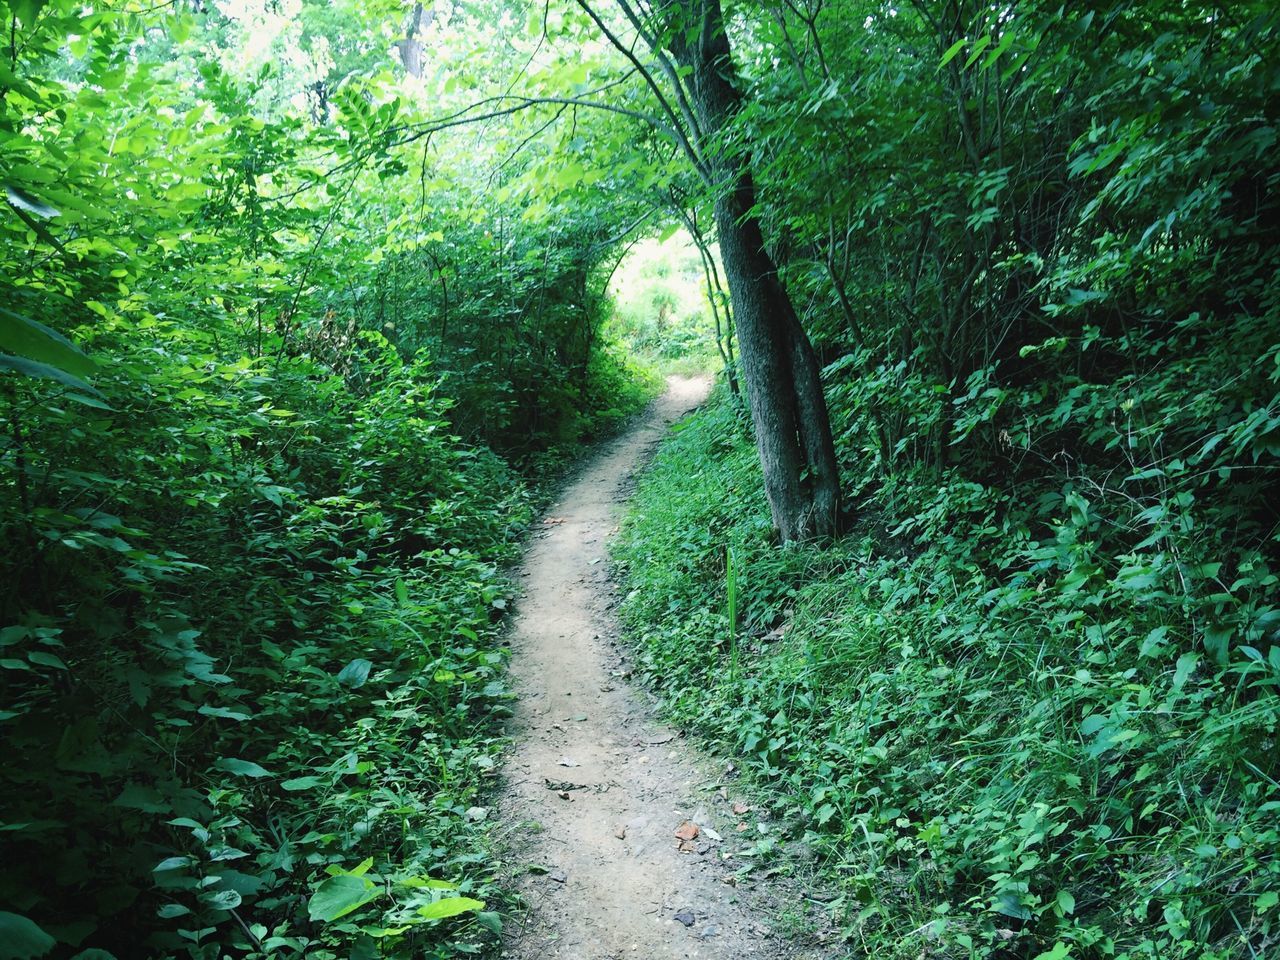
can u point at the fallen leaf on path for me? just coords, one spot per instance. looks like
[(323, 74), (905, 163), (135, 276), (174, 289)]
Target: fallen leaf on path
[(743, 828), (567, 762), (685, 917), (740, 808), (711, 834), (552, 521), (660, 739), (620, 831), (687, 831), (563, 784), (558, 875)]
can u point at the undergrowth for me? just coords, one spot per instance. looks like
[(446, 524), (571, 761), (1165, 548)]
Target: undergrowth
[(251, 678), (1005, 731)]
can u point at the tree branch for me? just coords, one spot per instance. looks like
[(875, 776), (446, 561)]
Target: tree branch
[(682, 137), (667, 67)]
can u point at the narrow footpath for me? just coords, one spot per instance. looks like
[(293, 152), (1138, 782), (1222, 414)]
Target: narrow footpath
[(620, 837)]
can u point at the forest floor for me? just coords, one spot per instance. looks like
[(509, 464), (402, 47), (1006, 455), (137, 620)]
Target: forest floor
[(621, 836)]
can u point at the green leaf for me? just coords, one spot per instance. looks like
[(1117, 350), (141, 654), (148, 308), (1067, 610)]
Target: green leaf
[(221, 899), (46, 659), (243, 768), (1066, 903), (33, 368), (1266, 901), (355, 673), (952, 51), (1185, 666), (1059, 952), (172, 863), (1093, 723), (27, 10), (33, 340), (25, 201), (982, 44), (490, 920), (339, 896), (1010, 905), (20, 938), (449, 908), (304, 783), (222, 713)]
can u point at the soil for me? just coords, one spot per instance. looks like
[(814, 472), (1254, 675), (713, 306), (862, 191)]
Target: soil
[(623, 840)]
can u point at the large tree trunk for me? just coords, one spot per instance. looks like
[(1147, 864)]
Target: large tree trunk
[(779, 367)]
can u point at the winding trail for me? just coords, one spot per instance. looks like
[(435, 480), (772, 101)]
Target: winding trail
[(594, 790)]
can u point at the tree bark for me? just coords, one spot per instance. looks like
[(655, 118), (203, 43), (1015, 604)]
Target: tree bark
[(779, 367)]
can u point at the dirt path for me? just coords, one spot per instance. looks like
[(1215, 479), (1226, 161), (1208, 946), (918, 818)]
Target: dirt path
[(594, 790)]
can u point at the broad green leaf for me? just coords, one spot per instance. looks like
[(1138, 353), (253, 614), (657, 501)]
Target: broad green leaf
[(304, 783), (21, 938), (221, 899), (27, 10), (355, 673), (952, 50), (46, 659), (25, 201), (243, 768), (172, 863), (981, 44), (1092, 724), (33, 368), (451, 907), (27, 338), (223, 713), (339, 896)]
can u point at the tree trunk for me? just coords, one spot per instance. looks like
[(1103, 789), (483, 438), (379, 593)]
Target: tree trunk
[(779, 367)]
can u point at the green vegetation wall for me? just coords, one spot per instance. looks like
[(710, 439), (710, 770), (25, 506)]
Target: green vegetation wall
[(252, 521), (1028, 707)]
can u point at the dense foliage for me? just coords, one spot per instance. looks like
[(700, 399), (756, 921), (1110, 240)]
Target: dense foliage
[(253, 535), (304, 299), (1028, 707)]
